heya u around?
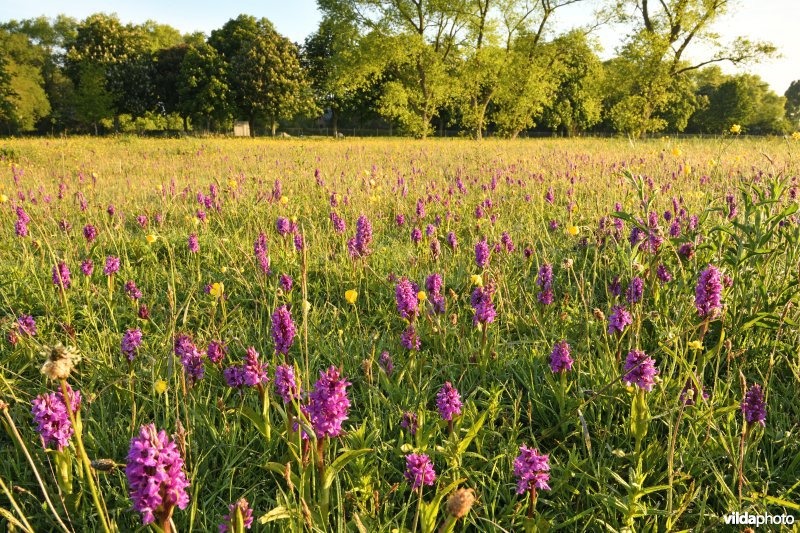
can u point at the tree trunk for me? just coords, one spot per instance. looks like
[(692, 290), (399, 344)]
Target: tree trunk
[(335, 123), (185, 124), (274, 126)]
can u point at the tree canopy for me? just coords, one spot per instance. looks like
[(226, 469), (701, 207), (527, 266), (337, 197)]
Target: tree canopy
[(479, 67)]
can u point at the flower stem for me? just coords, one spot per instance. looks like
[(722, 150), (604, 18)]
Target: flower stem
[(84, 458)]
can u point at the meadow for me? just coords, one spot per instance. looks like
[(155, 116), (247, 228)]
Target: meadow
[(398, 335)]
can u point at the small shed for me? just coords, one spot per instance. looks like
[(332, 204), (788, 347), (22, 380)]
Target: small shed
[(241, 128)]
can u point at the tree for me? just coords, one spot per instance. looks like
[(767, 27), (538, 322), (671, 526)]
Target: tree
[(93, 101), (340, 65), (264, 73), (203, 90), (792, 95), (25, 95), (417, 42), (744, 99), (577, 103), (507, 63), (7, 94), (654, 57)]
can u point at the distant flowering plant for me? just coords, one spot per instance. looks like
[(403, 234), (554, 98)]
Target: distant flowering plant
[(283, 329), (112, 265), (544, 280), (238, 512), (708, 293), (482, 253), (155, 475), (753, 406), (251, 372), (131, 341), (52, 418), (560, 360), (448, 402), (640, 370), (287, 386), (532, 470), (328, 403), (618, 320), (419, 470), (406, 298), (191, 358)]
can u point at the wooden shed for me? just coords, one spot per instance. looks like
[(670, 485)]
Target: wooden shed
[(241, 128)]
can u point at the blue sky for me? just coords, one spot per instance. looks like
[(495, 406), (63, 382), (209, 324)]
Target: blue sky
[(773, 20)]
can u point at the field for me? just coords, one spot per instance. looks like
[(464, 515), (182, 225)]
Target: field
[(628, 310)]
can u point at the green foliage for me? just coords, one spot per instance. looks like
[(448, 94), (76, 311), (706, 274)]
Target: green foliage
[(263, 71), (242, 443), (743, 100), (576, 105), (203, 88), (792, 96)]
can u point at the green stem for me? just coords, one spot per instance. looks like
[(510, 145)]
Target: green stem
[(84, 458)]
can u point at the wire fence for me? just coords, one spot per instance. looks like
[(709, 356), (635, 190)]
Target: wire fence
[(343, 133)]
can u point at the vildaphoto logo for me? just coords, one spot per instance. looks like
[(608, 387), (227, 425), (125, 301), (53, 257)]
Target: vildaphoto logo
[(747, 519)]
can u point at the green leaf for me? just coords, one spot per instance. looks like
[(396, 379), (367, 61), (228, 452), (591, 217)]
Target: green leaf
[(278, 513), (281, 470), (430, 511), (339, 463), (640, 415), (257, 419), (471, 434)]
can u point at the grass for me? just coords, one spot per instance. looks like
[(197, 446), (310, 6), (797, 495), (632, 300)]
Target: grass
[(684, 474)]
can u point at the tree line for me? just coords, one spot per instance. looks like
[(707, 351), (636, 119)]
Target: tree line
[(418, 66)]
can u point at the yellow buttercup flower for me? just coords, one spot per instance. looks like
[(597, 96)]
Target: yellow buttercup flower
[(421, 296), (736, 129), (224, 269), (160, 386), (231, 183), (196, 221), (217, 289), (696, 345), (3, 198), (572, 230), (284, 200), (477, 280), (351, 296), (796, 136), (151, 238), (687, 169), (676, 152)]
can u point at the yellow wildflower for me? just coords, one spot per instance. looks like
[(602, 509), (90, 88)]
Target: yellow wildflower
[(477, 280), (676, 152), (421, 296), (217, 289), (160, 386), (284, 200), (696, 345), (351, 296), (572, 230), (151, 238), (3, 198), (736, 129)]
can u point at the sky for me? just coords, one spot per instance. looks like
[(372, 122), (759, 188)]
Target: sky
[(770, 20)]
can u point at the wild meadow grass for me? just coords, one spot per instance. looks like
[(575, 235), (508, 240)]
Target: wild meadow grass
[(575, 230)]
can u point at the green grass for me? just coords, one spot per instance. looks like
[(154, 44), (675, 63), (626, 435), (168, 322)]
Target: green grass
[(599, 481)]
